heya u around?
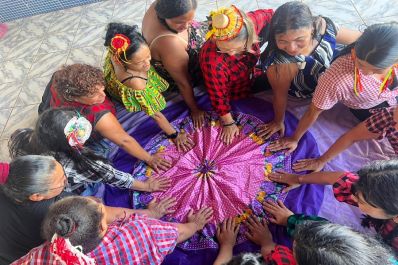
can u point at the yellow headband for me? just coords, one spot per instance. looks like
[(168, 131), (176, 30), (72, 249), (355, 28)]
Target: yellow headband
[(226, 23)]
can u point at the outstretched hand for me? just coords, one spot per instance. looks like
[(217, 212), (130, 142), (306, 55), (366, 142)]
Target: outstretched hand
[(280, 213), (229, 133), (267, 130), (288, 144), (158, 209), (183, 142), (227, 232), (291, 180), (200, 218), (198, 118), (258, 231), (312, 164), (157, 162)]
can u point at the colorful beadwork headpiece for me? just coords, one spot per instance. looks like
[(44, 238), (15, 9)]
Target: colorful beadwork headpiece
[(119, 45), (77, 131), (225, 23), (65, 253)]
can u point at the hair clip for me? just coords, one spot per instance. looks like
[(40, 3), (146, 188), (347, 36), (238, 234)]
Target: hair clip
[(77, 131)]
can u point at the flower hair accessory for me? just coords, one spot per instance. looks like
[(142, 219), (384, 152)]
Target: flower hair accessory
[(77, 131), (67, 254), (226, 23), (119, 45)]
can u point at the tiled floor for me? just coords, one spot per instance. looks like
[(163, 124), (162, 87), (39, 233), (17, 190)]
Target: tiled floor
[(35, 47)]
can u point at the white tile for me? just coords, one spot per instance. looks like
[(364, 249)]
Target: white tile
[(267, 4), (91, 55), (57, 42), (46, 64), (9, 94), (204, 10), (340, 11), (32, 91), (4, 155), (21, 117), (242, 5), (65, 21), (25, 47), (4, 116), (377, 8), (99, 13), (89, 36), (15, 70), (129, 12)]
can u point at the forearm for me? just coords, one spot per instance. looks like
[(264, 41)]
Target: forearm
[(279, 106), (267, 249), (163, 123), (132, 147), (224, 255), (305, 123), (115, 213), (140, 185), (186, 231), (227, 118), (188, 95), (322, 178)]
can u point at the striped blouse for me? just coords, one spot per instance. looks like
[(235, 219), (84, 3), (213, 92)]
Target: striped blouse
[(310, 67)]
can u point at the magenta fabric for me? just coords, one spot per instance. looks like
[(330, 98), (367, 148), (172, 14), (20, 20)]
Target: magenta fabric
[(229, 178), (306, 199)]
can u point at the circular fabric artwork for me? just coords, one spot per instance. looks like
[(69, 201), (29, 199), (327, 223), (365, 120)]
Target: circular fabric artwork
[(232, 179)]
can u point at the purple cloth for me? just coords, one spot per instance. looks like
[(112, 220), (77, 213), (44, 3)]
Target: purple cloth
[(306, 199)]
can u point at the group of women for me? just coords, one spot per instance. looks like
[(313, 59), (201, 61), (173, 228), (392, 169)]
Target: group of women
[(65, 155)]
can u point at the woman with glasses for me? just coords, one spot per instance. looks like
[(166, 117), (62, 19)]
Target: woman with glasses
[(300, 48), (228, 60)]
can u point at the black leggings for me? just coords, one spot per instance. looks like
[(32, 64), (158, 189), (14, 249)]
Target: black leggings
[(363, 114)]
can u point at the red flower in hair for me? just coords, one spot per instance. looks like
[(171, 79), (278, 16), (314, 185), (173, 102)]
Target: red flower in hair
[(120, 42)]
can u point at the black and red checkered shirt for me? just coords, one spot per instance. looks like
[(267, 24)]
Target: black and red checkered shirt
[(231, 77), (382, 122), (281, 255), (342, 190)]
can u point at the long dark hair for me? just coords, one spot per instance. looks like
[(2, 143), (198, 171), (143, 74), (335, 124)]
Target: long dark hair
[(76, 218), (332, 244), (291, 16), (132, 32), (166, 9), (49, 138), (378, 45), (378, 184), (28, 175)]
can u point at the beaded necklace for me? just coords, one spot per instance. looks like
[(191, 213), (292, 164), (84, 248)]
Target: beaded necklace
[(358, 87)]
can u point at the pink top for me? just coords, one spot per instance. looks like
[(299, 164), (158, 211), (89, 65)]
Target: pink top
[(337, 85)]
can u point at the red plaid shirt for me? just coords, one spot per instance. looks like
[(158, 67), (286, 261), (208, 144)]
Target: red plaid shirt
[(382, 122), (136, 240), (343, 192), (281, 255), (231, 77)]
